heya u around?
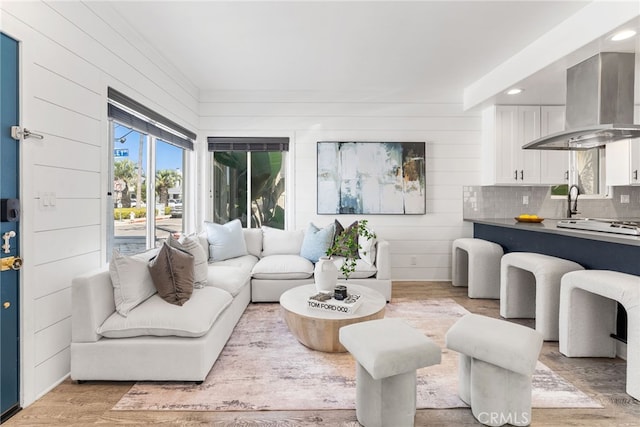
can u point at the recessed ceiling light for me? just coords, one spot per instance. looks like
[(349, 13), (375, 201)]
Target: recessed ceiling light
[(623, 35), (514, 91)]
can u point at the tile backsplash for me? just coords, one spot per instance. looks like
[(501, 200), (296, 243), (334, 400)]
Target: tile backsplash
[(508, 201)]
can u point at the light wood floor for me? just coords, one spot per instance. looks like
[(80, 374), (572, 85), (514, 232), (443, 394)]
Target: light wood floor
[(71, 404)]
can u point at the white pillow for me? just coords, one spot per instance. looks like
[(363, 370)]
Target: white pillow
[(132, 283), (191, 244), (281, 242), (367, 249), (226, 240)]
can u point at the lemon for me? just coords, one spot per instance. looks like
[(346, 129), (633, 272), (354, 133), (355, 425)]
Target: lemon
[(524, 216), (533, 216)]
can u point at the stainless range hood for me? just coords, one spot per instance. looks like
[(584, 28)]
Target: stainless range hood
[(599, 105)]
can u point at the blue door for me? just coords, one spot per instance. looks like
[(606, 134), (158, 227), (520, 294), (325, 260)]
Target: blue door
[(9, 277)]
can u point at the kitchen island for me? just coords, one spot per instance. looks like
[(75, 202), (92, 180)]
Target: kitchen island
[(591, 249)]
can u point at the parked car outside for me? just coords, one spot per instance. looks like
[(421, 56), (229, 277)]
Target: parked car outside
[(175, 208)]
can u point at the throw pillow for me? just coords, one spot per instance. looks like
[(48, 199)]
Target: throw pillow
[(132, 283), (225, 240), (367, 249), (341, 249), (191, 244), (172, 274), (317, 241)]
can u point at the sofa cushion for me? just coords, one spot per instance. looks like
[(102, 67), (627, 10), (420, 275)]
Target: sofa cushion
[(283, 267), (317, 241), (363, 269), (131, 280), (246, 261), (229, 278), (253, 240), (172, 274), (192, 245), (156, 317), (225, 240), (281, 242)]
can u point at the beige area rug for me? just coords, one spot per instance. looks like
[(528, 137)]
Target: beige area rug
[(263, 367)]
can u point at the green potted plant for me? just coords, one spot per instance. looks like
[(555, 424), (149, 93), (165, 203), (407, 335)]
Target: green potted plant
[(346, 244)]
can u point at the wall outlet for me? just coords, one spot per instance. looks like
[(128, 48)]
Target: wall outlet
[(525, 200), (413, 260), (624, 198)]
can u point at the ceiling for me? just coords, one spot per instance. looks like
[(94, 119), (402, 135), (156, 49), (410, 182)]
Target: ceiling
[(426, 51), (548, 86)]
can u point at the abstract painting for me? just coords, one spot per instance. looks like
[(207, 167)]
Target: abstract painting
[(371, 177)]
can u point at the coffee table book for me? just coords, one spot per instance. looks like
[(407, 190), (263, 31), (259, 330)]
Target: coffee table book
[(336, 306)]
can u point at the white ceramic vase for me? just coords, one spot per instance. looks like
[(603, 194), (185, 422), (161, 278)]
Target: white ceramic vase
[(325, 275)]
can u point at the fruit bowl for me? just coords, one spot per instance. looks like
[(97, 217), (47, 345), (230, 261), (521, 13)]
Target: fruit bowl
[(529, 219)]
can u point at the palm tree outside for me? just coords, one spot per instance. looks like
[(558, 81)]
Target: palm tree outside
[(124, 171), (166, 179)]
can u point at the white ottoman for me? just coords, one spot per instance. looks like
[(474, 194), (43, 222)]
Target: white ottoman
[(530, 288), (588, 315), (476, 264), (497, 360), (387, 352)]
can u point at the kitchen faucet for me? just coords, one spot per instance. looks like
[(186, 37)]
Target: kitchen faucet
[(572, 195)]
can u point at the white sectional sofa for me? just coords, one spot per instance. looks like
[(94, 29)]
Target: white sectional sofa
[(273, 257), (165, 342)]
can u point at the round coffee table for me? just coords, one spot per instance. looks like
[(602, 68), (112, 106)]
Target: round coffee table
[(318, 329)]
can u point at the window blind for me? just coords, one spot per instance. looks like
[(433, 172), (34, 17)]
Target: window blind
[(224, 143), (147, 120)]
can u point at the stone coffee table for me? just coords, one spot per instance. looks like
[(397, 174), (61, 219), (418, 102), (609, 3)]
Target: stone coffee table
[(318, 329)]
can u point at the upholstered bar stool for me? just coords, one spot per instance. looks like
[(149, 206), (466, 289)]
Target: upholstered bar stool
[(476, 264), (530, 288), (496, 362), (588, 316), (387, 352)]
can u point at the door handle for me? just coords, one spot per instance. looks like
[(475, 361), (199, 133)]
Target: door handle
[(635, 174), (522, 174), (10, 263)]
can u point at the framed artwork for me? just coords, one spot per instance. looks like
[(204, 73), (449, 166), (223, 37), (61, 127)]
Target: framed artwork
[(371, 178)]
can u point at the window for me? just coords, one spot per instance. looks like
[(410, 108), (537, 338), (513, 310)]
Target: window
[(587, 171), (148, 160), (248, 180)]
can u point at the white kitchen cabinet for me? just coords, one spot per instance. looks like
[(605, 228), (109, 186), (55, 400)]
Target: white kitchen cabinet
[(506, 128), (554, 164), (515, 126), (623, 159)]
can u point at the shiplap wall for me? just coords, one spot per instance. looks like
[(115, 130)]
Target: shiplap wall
[(70, 52), (452, 148)]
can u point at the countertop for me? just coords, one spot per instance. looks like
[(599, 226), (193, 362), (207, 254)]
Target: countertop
[(550, 226)]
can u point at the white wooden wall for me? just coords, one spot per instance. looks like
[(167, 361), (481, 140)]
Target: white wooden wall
[(69, 55), (72, 51), (453, 159)]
